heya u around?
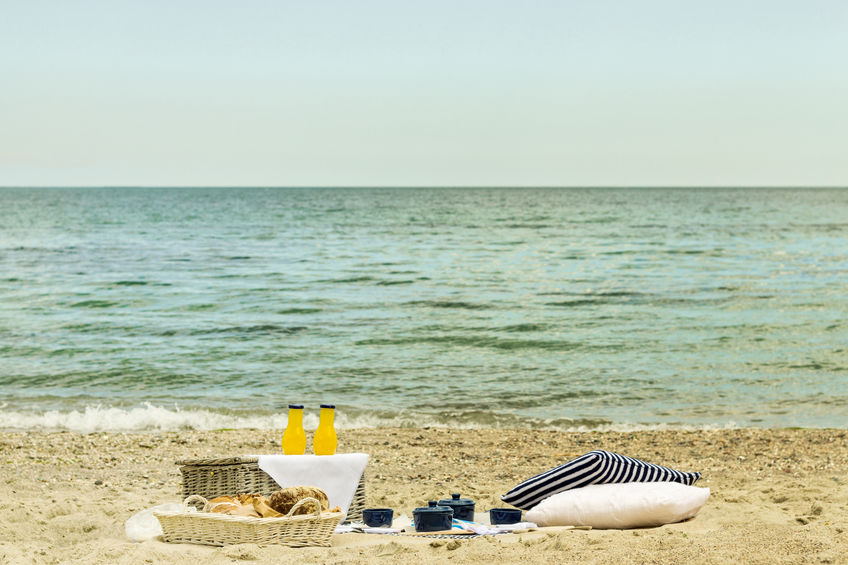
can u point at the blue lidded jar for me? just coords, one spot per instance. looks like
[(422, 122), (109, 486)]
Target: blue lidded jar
[(378, 517), (463, 508), (432, 518), (504, 516)]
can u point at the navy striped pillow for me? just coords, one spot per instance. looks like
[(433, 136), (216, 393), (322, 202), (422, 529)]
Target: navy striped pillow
[(594, 468)]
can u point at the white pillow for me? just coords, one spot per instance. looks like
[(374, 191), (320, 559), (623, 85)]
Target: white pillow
[(620, 506), (597, 467)]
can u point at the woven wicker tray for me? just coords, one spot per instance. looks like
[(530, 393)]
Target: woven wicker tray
[(227, 476), (220, 529)]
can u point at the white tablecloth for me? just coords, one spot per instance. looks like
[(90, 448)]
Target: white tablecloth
[(337, 475)]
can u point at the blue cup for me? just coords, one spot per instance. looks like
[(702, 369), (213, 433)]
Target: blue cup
[(504, 516), (377, 517)]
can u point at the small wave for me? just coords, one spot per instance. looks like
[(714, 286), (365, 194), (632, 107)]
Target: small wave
[(599, 294), (574, 303), (644, 299), (346, 280), (621, 252), (202, 307), (529, 226), (601, 220), (130, 283), (393, 283), (86, 328), (690, 251), (299, 311), (810, 365), (484, 342), (522, 328), (448, 304), (151, 418), (94, 304), (257, 329), (147, 417), (813, 365), (57, 250)]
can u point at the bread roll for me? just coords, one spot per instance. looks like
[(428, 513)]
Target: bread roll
[(222, 504), (283, 500), (234, 506)]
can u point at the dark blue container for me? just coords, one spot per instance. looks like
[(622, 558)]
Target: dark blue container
[(504, 516), (463, 508), (432, 518), (377, 517)]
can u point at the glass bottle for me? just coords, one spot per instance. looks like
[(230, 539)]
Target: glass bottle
[(324, 442), (294, 438)]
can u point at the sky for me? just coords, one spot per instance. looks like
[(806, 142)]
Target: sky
[(423, 93)]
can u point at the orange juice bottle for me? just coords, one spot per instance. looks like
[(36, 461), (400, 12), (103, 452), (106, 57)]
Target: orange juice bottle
[(325, 440), (294, 438)]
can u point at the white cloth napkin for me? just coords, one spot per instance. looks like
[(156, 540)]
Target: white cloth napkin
[(337, 475)]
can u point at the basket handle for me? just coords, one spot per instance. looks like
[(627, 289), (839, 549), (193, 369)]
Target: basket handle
[(196, 498), (303, 501)]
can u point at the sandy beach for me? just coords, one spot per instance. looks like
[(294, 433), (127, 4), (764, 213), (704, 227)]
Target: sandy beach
[(778, 496)]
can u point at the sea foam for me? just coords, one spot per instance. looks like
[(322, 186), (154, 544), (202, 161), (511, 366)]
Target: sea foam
[(152, 418)]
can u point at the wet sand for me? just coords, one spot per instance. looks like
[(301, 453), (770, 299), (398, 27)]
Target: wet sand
[(778, 496)]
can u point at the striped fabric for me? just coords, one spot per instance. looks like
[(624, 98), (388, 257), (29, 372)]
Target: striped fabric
[(594, 468)]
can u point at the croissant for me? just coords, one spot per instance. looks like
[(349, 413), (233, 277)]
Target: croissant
[(245, 510), (260, 504), (247, 498)]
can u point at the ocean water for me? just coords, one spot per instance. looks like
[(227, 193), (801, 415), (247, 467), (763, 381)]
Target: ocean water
[(168, 308)]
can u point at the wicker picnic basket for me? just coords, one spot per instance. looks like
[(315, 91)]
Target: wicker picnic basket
[(220, 529), (227, 476)]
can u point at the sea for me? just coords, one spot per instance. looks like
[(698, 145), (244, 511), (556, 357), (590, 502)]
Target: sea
[(129, 309)]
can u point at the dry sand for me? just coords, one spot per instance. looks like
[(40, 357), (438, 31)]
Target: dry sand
[(778, 496)]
